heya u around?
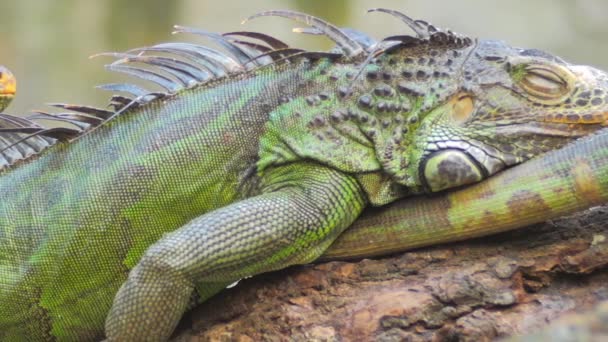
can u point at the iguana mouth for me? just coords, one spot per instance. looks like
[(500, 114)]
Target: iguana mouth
[(585, 119), (553, 128)]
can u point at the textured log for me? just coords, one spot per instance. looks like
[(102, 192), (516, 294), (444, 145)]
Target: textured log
[(590, 325), (479, 290)]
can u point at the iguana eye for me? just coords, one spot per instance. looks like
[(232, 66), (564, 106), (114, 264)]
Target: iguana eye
[(543, 83)]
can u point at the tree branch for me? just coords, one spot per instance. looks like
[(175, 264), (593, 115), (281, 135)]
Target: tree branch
[(498, 286)]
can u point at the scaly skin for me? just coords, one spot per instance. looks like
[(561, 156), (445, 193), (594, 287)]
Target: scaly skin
[(557, 183), (262, 169), (570, 179), (8, 87)]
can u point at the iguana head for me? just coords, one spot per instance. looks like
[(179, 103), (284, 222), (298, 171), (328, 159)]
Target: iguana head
[(7, 87), (456, 110), (506, 105), (434, 110)]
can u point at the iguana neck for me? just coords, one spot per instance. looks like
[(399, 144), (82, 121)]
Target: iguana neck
[(362, 118)]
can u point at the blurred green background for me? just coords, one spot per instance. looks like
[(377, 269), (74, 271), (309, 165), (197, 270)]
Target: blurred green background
[(47, 42)]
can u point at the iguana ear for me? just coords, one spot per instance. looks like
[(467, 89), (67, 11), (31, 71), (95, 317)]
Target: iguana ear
[(461, 107)]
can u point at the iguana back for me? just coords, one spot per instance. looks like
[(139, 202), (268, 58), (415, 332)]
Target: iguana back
[(77, 218)]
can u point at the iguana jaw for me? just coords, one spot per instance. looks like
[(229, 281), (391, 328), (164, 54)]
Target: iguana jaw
[(455, 163), (452, 164)]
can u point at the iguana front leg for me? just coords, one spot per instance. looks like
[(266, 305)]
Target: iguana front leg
[(301, 210), (556, 184)]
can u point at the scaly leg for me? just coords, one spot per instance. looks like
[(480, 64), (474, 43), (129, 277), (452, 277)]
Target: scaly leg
[(301, 210)]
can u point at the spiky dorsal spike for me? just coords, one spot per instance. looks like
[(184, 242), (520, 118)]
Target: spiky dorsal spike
[(280, 55), (304, 54), (431, 28), (425, 31), (94, 111), (177, 66), (255, 50), (366, 41), (239, 54), (11, 121), (59, 133), (15, 126), (187, 73), (122, 103), (271, 41), (81, 121), (20, 138), (119, 101), (212, 67), (165, 82), (252, 49), (217, 62), (10, 153), (128, 88), (349, 46), (12, 147), (417, 26), (404, 40), (314, 55)]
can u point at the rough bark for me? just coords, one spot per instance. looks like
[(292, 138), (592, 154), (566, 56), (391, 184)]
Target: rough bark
[(479, 290)]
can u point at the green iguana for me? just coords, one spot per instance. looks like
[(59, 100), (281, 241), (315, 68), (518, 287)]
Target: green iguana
[(8, 86), (257, 159)]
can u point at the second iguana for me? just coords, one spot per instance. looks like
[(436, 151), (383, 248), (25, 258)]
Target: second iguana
[(254, 160), (8, 86)]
